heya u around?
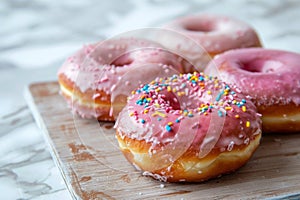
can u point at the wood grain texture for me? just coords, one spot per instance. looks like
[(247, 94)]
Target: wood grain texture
[(92, 166)]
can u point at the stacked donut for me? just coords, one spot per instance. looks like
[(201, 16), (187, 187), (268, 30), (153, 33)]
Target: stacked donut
[(174, 122)]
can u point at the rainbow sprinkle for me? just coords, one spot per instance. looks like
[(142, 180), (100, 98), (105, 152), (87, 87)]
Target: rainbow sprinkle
[(168, 128), (247, 124), (159, 97)]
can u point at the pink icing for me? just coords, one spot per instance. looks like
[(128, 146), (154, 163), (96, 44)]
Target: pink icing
[(100, 65), (268, 76), (117, 66), (191, 126), (215, 34)]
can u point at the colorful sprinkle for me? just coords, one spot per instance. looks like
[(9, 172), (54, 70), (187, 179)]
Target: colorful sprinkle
[(228, 108), (159, 114), (168, 128), (169, 89), (219, 96), (154, 98), (247, 124), (190, 114), (220, 113), (244, 108), (182, 85)]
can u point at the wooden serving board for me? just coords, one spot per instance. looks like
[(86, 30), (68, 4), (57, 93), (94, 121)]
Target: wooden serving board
[(92, 166)]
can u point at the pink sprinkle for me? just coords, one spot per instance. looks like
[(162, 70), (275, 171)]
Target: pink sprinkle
[(103, 79), (113, 88), (177, 112)]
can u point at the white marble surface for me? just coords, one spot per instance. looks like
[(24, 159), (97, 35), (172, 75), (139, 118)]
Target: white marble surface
[(36, 36)]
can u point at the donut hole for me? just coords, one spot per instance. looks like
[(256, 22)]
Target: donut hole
[(123, 60), (172, 100), (200, 27), (250, 67), (262, 66)]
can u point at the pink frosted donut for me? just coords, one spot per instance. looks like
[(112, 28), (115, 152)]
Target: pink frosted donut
[(270, 77), (95, 80), (188, 127), (215, 34)]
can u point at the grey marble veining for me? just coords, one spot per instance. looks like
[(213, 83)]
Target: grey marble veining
[(36, 36)]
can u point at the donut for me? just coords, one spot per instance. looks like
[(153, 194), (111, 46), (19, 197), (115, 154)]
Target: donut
[(98, 77), (214, 34), (188, 128), (272, 80)]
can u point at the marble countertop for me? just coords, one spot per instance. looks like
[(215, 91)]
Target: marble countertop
[(36, 37)]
